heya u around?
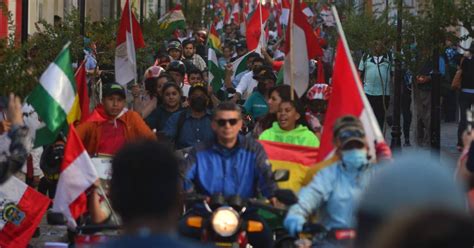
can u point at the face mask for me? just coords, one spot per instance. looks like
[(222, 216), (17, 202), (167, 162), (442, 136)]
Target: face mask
[(199, 103), (355, 158)]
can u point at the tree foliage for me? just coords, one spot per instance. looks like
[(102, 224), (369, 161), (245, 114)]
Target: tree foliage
[(21, 65)]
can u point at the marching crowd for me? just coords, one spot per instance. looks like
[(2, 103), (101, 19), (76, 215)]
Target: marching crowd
[(174, 133)]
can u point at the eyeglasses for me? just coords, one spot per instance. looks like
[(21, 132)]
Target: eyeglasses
[(223, 122)]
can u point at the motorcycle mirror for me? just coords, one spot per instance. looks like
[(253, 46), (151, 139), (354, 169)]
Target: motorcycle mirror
[(55, 218), (281, 175), (286, 196)]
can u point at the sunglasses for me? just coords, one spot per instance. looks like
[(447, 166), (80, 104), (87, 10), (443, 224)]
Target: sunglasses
[(223, 122), (345, 134)]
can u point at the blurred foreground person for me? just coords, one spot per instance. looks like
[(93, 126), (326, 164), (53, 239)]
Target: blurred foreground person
[(15, 142), (144, 191), (335, 189), (427, 229), (413, 183)]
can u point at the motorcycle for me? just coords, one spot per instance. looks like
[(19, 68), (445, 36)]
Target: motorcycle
[(223, 224), (314, 234)]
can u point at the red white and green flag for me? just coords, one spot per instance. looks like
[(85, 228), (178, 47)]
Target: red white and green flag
[(216, 73), (172, 20), (77, 174), (55, 98), (21, 211), (129, 38)]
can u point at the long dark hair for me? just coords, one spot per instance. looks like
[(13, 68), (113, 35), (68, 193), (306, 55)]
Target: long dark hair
[(284, 91)]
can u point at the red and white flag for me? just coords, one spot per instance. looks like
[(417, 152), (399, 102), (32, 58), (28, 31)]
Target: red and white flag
[(306, 10), (21, 211), (236, 12), (129, 37), (347, 98), (254, 30), (82, 91), (285, 11), (301, 46), (77, 174)]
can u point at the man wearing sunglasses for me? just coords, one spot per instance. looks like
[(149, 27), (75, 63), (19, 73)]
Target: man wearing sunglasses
[(334, 190), (230, 165)]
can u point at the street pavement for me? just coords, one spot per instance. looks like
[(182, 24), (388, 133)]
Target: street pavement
[(448, 152)]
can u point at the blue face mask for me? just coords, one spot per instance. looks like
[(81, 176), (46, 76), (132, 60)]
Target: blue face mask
[(355, 158)]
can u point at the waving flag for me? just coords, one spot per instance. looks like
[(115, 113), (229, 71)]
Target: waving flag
[(21, 209), (172, 20), (55, 98), (216, 73), (77, 174), (298, 160), (129, 37), (255, 25), (301, 45), (285, 11), (347, 98)]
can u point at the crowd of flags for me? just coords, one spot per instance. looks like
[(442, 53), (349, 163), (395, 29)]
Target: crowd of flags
[(61, 99)]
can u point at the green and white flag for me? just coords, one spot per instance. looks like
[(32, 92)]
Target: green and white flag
[(172, 20), (240, 65), (55, 99), (216, 73)]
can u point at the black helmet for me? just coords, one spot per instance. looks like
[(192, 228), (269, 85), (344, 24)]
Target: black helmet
[(51, 159), (178, 66)]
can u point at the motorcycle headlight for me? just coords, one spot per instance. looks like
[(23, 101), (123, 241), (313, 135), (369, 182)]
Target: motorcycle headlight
[(225, 221)]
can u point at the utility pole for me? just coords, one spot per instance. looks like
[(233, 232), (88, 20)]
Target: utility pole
[(436, 87), (142, 2), (82, 16), (396, 129), (24, 21)]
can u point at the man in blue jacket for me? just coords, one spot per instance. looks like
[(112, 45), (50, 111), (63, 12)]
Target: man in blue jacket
[(230, 165)]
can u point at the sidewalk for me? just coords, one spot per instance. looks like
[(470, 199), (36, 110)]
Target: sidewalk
[(449, 152)]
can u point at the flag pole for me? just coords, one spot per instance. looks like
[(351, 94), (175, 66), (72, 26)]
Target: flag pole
[(342, 36), (292, 56), (377, 131), (133, 42), (261, 26)]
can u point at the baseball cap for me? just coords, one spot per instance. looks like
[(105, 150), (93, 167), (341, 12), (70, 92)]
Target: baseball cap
[(264, 72), (113, 88), (348, 128), (174, 45)]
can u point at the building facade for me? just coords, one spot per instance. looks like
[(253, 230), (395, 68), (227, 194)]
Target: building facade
[(11, 12)]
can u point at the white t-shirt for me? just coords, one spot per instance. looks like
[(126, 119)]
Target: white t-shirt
[(185, 90), (246, 85)]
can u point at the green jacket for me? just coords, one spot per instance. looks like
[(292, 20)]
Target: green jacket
[(301, 135)]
